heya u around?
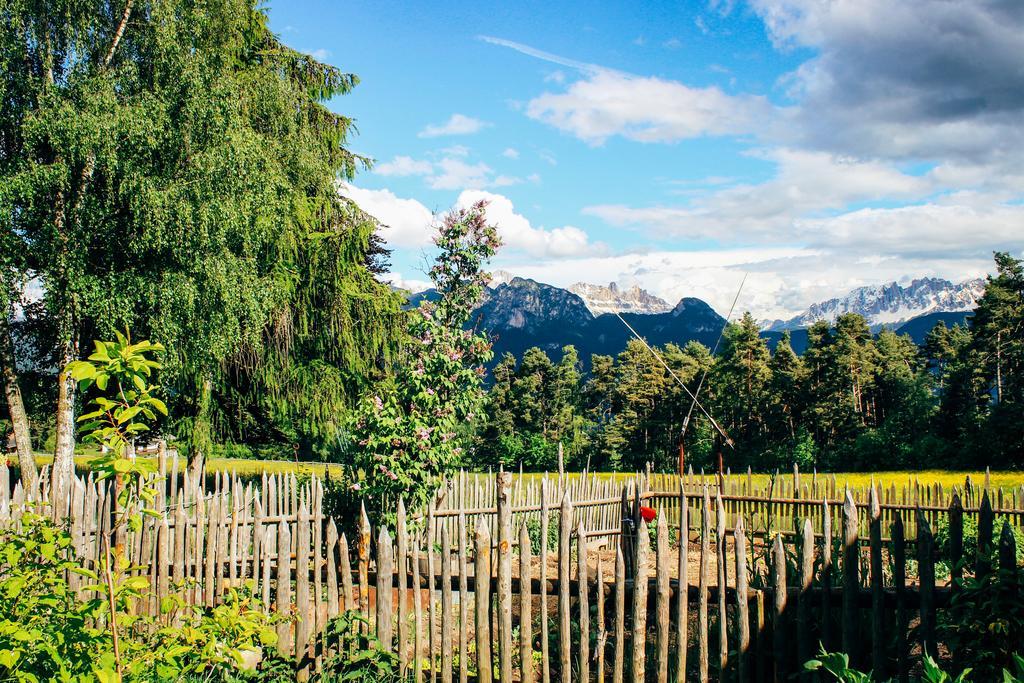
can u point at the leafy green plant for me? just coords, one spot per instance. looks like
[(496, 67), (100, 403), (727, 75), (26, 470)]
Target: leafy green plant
[(970, 545), (367, 662), (44, 630), (837, 664), (985, 622), (533, 529), (48, 632), (118, 373)]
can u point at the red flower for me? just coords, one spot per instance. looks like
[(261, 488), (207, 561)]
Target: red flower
[(648, 513)]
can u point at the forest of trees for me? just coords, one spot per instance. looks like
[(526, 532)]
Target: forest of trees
[(853, 401)]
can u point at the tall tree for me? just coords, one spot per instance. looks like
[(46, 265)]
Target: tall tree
[(171, 165)]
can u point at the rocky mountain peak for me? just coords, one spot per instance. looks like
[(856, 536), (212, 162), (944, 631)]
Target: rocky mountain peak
[(614, 299)]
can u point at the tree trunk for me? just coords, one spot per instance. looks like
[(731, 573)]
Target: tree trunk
[(16, 407), (64, 449)]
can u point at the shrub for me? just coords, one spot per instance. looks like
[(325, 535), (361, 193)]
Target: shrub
[(48, 633)]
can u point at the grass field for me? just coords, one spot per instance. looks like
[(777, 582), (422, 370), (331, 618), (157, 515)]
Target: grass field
[(1000, 480)]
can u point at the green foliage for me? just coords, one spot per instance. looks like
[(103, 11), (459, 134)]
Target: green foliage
[(531, 410), (837, 665), (47, 632), (180, 176), (985, 623), (44, 630), (413, 428), (125, 405), (367, 662), (970, 542), (533, 529)]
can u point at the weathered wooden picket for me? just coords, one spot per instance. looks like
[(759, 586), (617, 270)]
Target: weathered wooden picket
[(739, 599)]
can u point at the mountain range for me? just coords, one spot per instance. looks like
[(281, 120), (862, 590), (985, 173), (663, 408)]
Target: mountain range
[(891, 304), (519, 313)]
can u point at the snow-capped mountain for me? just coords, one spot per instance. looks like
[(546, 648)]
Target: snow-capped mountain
[(612, 299), (891, 304)]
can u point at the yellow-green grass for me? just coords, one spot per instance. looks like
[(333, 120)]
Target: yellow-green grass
[(237, 465), (948, 478)]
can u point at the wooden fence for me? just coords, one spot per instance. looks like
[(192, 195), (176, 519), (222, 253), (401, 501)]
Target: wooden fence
[(608, 599)]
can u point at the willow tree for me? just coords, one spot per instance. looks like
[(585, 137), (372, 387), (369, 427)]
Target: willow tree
[(172, 166)]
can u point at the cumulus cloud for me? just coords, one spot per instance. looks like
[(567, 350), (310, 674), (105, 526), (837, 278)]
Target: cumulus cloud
[(458, 124), (646, 109), (510, 153), (518, 234), (403, 166), (450, 172), (407, 222), (806, 183), (913, 79)]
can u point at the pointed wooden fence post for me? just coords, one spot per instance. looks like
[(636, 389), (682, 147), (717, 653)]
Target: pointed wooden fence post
[(482, 577), (545, 658), (584, 605), (703, 651), (662, 622), (851, 581), (926, 572), (879, 659), (683, 594), (303, 614), (640, 602), (779, 590), (463, 601), (742, 614), (619, 658), (526, 607), (826, 574), (804, 640), (564, 624), (363, 551), (402, 561), (503, 490), (284, 588), (723, 622), (899, 579), (446, 607), (986, 521)]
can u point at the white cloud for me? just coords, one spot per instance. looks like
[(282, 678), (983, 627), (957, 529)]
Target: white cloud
[(451, 172), (455, 174), (456, 151), (458, 124), (806, 184), (510, 153), (408, 223), (403, 166), (606, 103), (518, 234)]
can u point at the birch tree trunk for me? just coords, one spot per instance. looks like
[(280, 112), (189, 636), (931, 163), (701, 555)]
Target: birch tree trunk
[(16, 408)]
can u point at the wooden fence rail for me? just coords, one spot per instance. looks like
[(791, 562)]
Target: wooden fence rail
[(525, 590)]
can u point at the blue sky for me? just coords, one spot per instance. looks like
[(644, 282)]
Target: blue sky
[(817, 146)]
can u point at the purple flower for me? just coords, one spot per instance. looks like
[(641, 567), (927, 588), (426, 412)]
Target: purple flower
[(378, 403)]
